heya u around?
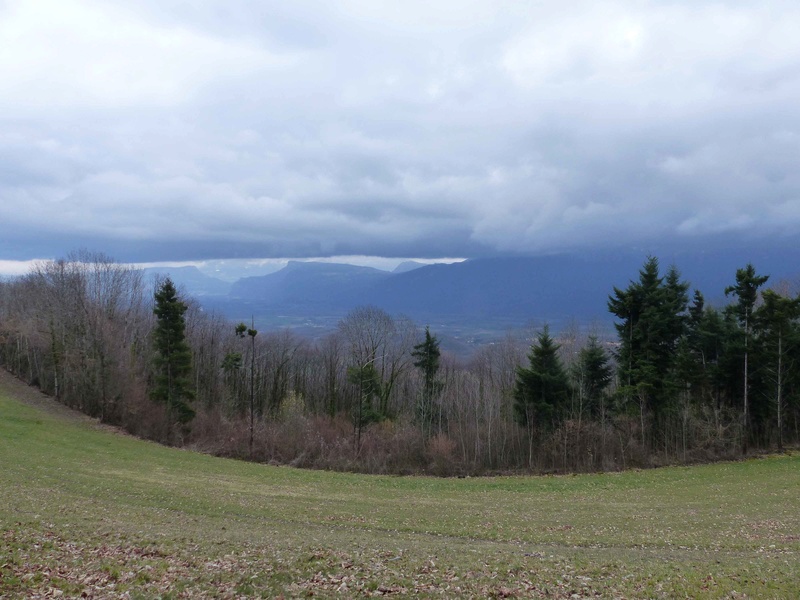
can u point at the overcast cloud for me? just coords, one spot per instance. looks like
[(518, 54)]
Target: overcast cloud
[(172, 130)]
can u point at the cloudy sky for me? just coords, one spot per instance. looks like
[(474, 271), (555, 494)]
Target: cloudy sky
[(161, 130)]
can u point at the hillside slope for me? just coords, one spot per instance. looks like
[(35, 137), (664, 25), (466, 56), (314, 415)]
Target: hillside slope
[(86, 511)]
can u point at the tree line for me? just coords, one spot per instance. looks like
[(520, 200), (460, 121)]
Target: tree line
[(683, 381)]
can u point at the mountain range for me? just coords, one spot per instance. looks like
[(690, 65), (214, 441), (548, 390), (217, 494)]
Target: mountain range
[(492, 294)]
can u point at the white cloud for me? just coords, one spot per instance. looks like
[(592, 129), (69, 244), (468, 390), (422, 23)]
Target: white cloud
[(81, 54), (13, 268), (278, 129)]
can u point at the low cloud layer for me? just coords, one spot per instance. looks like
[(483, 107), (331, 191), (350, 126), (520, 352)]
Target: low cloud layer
[(160, 131)]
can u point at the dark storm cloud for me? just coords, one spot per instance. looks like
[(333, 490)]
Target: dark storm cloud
[(159, 131)]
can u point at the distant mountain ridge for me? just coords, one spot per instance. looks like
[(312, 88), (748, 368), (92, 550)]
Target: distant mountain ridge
[(304, 286), (408, 265), (508, 291), (192, 279)]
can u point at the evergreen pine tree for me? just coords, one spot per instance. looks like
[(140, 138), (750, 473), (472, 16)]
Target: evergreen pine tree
[(542, 390), (427, 356), (592, 374), (367, 378), (173, 358), (775, 321), (691, 369), (653, 319), (746, 291)]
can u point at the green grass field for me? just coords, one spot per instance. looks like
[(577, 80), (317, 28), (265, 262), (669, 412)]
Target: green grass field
[(84, 510)]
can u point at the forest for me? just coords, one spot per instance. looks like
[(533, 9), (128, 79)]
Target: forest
[(682, 381)]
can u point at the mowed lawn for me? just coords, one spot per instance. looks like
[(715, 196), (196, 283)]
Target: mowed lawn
[(87, 511)]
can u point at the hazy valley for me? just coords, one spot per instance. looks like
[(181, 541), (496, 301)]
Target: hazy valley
[(469, 302)]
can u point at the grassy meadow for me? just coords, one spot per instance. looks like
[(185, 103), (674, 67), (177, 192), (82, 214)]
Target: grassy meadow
[(87, 511)]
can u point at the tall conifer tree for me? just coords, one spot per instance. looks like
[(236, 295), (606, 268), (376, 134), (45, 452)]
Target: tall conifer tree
[(653, 318), (746, 291), (776, 324), (592, 375), (427, 356), (173, 358), (542, 390)]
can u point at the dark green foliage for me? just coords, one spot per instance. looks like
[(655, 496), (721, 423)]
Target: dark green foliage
[(368, 382), (173, 358), (746, 292), (427, 356), (676, 359), (542, 390), (653, 313), (696, 312), (775, 323), (675, 310), (702, 363), (232, 362), (592, 374), (686, 367), (713, 339)]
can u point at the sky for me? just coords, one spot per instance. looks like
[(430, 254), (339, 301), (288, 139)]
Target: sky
[(169, 130)]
